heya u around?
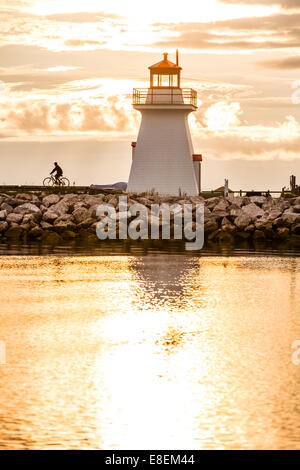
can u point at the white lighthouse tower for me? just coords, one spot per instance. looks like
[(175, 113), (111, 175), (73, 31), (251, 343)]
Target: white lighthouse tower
[(163, 159)]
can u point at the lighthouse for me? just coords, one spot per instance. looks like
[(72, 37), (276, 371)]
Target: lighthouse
[(163, 160)]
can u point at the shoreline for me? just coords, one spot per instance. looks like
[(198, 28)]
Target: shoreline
[(51, 218)]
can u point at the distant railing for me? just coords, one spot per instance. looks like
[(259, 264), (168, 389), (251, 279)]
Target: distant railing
[(158, 96)]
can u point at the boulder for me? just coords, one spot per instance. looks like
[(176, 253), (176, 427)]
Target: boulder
[(242, 235), (12, 201), (24, 197), (93, 200), (86, 223), (36, 232), (3, 215), (3, 226), (210, 225), (14, 218), (274, 214), (260, 223), (253, 211), (113, 200), (50, 216), (63, 225), (60, 208), (50, 200), (289, 218), (242, 221), (239, 201), (30, 219), (297, 209), (80, 215), (227, 226), (6, 207), (46, 225), (235, 210), (258, 200), (27, 208), (211, 202), (250, 228)]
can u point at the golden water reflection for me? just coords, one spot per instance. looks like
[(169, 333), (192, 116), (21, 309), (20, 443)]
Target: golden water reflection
[(154, 352)]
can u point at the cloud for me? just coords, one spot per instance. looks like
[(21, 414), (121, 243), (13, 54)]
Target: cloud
[(285, 4), (82, 17), (83, 42), (230, 141), (290, 63), (279, 31), (110, 115), (222, 115)]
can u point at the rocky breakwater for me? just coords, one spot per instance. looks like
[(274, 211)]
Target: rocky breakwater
[(54, 218)]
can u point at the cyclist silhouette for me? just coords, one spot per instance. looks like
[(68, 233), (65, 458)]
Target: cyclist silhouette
[(57, 169)]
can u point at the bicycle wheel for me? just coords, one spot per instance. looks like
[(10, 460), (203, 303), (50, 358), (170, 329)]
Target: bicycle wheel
[(64, 182), (48, 181)]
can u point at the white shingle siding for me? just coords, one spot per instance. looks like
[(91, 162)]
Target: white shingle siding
[(163, 156)]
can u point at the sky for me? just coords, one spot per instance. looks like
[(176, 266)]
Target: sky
[(67, 70)]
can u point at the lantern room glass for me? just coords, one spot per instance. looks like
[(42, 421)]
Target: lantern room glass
[(162, 80)]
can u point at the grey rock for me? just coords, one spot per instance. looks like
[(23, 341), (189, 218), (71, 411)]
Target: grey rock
[(297, 209), (6, 207), (210, 225), (3, 215), (27, 208), (80, 215), (24, 197), (63, 225), (253, 211), (242, 221), (46, 225), (86, 223), (60, 208), (260, 223), (14, 218), (235, 210), (274, 214), (50, 216), (211, 202), (3, 226), (289, 218), (36, 232), (258, 200), (50, 200)]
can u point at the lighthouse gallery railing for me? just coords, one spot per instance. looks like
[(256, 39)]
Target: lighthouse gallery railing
[(148, 96)]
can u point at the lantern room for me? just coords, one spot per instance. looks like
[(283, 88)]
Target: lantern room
[(165, 74)]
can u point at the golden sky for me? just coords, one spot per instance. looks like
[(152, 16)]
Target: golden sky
[(67, 69)]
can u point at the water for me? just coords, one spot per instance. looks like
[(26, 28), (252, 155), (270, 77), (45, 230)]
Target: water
[(149, 352)]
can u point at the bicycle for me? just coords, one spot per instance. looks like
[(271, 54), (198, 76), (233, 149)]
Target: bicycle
[(52, 181)]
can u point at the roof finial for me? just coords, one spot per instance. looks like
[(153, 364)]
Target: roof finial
[(177, 57), (165, 56)]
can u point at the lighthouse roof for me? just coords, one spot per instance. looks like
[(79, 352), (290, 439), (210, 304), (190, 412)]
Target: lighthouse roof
[(165, 65)]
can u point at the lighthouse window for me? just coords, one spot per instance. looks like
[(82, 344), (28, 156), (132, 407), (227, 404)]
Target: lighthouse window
[(161, 80)]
